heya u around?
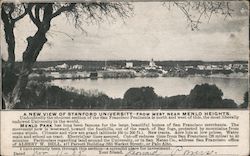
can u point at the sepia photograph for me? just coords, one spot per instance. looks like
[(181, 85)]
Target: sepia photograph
[(125, 55), (124, 77)]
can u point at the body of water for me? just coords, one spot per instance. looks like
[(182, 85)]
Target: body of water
[(232, 88)]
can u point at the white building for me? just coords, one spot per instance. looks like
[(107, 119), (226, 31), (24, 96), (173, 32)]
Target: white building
[(77, 66), (216, 67), (152, 63), (62, 66), (209, 67), (201, 67), (50, 69), (227, 67), (129, 64), (189, 67)]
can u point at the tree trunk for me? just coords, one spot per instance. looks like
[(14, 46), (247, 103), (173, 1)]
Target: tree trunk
[(35, 45), (8, 76), (9, 37), (12, 97)]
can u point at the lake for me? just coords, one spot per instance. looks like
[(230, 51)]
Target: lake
[(232, 88)]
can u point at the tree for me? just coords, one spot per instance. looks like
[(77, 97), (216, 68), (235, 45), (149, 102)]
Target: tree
[(208, 96), (140, 97), (41, 14), (205, 96), (245, 103), (10, 14), (228, 103), (246, 97)]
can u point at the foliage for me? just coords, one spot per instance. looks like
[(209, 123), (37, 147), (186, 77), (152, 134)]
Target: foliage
[(246, 102), (175, 102), (140, 97), (228, 103), (205, 96), (246, 97), (41, 95)]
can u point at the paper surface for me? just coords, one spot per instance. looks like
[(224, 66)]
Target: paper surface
[(125, 78)]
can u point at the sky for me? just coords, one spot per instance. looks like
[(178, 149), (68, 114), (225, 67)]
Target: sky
[(153, 31)]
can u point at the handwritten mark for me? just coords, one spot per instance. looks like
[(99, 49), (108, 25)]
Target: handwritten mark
[(181, 151)]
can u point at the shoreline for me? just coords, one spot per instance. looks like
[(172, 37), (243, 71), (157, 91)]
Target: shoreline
[(245, 76)]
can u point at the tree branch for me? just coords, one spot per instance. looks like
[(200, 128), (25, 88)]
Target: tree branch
[(20, 17), (62, 9), (9, 36), (196, 11), (12, 9), (37, 10), (32, 17), (47, 13)]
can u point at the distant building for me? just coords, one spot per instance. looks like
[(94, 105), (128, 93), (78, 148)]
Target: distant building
[(189, 67), (228, 67), (201, 67), (55, 74), (209, 67), (129, 64), (50, 69), (236, 65), (152, 63), (62, 66), (216, 67), (77, 66)]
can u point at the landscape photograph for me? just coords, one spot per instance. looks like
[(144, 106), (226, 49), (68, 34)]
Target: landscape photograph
[(125, 55)]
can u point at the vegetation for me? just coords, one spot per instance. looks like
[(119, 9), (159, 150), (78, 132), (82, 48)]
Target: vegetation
[(205, 95), (42, 15), (143, 97), (245, 103), (41, 95)]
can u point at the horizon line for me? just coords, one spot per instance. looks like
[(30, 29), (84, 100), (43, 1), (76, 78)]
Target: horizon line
[(141, 60)]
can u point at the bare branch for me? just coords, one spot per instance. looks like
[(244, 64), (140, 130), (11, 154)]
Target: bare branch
[(64, 33), (195, 11), (96, 12), (63, 9), (37, 12), (32, 17)]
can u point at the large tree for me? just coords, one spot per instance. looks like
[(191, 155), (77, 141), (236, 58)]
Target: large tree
[(41, 15)]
